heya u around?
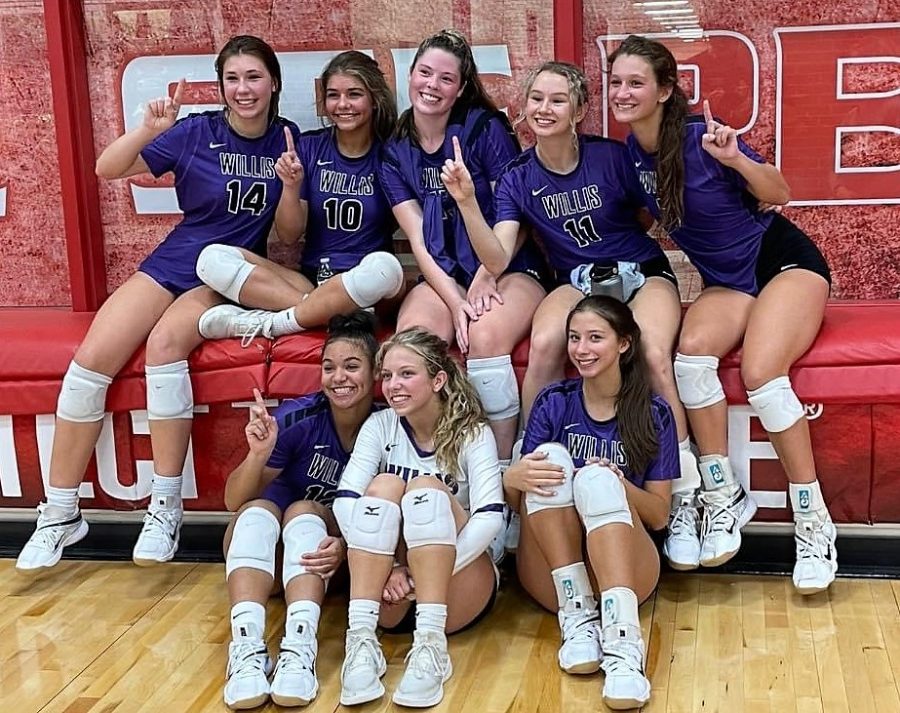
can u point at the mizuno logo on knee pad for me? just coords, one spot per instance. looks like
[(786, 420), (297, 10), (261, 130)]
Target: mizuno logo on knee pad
[(419, 499), (372, 510)]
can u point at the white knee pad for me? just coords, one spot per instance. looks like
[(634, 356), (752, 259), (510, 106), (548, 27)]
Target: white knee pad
[(600, 498), (377, 276), (225, 269), (495, 382), (428, 518), (776, 404), (564, 497), (169, 392), (374, 526), (82, 397), (697, 379), (302, 534), (253, 541)]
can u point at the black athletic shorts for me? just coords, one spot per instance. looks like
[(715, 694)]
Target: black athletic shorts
[(786, 247)]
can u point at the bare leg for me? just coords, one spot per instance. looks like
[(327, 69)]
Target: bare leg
[(120, 327), (498, 331), (424, 308), (785, 320)]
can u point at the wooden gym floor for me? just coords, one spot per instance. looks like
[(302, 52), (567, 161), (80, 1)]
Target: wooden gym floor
[(93, 637)]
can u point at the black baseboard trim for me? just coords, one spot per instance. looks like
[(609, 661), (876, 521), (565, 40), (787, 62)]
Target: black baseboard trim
[(771, 554)]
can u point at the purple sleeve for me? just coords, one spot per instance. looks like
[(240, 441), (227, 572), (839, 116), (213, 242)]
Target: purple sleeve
[(540, 424), (287, 441), (750, 153), (393, 182), (495, 148), (164, 153), (666, 465), (507, 199)]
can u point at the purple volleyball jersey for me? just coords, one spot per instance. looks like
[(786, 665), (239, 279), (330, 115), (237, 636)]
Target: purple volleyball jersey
[(408, 173), (588, 215), (722, 229), (559, 415), (226, 187), (349, 215), (308, 452)]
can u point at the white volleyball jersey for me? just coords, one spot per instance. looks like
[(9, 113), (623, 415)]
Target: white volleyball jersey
[(385, 445)]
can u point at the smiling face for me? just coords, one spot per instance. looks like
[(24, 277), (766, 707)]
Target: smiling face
[(247, 87), (347, 377), (406, 383), (593, 345), (549, 110), (348, 103), (435, 82), (634, 93)]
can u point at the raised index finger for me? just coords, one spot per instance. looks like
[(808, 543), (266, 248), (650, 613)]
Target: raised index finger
[(289, 139), (707, 113), (179, 93), (259, 399), (457, 151)]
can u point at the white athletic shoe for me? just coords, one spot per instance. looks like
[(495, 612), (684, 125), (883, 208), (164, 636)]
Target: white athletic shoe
[(54, 530), (364, 665), (723, 518), (682, 545), (428, 665), (626, 686), (248, 672), (579, 651), (158, 541), (227, 321), (816, 553), (295, 682)]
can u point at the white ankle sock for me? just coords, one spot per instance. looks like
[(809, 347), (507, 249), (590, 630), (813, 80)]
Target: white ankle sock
[(63, 498), (431, 617), (363, 614), (285, 322)]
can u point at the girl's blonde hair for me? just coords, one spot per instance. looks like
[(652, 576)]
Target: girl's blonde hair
[(462, 416)]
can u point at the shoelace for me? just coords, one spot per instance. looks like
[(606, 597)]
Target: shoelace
[(623, 657), (580, 629), (718, 516), (683, 520), (356, 645), (295, 657), (250, 325), (425, 658), (161, 523), (812, 542), (246, 659)]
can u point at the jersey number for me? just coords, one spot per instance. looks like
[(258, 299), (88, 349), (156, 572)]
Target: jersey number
[(345, 215), (582, 231), (253, 200)]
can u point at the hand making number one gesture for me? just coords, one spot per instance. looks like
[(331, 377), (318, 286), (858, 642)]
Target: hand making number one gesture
[(720, 140), (262, 430), (456, 176), (288, 167), (161, 113)]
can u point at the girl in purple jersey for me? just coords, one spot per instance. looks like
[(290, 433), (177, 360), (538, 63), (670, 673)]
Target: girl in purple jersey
[(600, 455), (458, 298), (765, 289), (581, 196), (282, 490), (332, 199), (418, 504), (223, 163)]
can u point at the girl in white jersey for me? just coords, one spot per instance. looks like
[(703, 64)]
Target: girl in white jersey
[(428, 465)]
